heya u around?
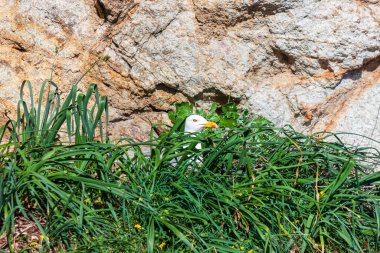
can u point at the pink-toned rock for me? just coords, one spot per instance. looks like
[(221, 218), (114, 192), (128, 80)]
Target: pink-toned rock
[(311, 63)]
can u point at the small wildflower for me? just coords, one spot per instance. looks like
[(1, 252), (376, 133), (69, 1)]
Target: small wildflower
[(250, 251), (33, 244), (162, 245), (43, 237), (321, 193), (242, 248), (98, 200), (140, 199), (296, 221), (138, 227)]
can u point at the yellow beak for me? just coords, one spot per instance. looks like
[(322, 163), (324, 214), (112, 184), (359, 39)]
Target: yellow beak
[(210, 124)]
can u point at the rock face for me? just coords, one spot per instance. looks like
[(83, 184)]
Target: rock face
[(312, 63)]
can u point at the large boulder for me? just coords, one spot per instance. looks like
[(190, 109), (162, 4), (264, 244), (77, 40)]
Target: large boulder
[(312, 63)]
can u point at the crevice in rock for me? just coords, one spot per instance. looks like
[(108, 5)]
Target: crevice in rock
[(17, 45), (285, 60), (214, 95), (335, 104), (117, 120), (325, 64), (283, 57), (325, 115), (140, 110), (162, 29), (114, 11), (249, 13), (101, 10), (269, 9), (162, 86), (173, 91), (370, 65), (20, 48), (263, 11)]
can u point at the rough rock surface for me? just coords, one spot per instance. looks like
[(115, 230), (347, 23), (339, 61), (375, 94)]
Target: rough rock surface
[(312, 63)]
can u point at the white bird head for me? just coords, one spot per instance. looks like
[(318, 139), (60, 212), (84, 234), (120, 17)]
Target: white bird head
[(196, 123)]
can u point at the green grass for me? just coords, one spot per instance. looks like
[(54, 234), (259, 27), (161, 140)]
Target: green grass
[(251, 188)]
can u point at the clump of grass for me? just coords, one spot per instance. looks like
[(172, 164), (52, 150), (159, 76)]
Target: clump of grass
[(251, 188)]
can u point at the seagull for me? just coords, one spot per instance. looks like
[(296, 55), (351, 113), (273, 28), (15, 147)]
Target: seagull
[(193, 124), (196, 123)]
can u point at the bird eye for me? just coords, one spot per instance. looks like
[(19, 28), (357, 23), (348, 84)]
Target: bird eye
[(195, 120)]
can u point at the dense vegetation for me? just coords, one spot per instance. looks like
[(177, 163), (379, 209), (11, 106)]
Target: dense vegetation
[(251, 188)]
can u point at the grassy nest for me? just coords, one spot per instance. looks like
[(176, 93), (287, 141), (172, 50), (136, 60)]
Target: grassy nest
[(251, 188)]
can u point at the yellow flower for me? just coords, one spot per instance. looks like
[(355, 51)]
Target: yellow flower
[(241, 247), (162, 245), (140, 199), (250, 251), (33, 244), (138, 227), (296, 221), (43, 237)]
